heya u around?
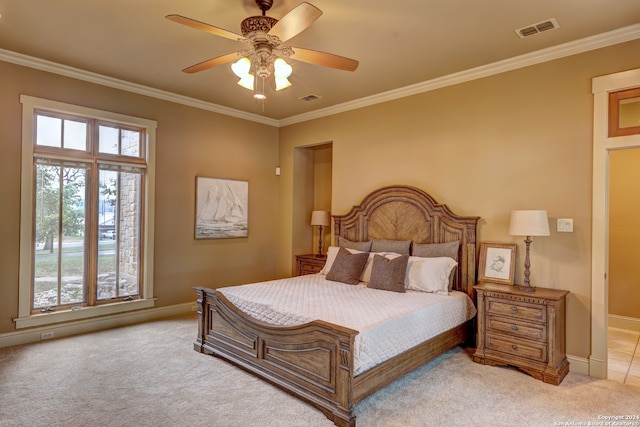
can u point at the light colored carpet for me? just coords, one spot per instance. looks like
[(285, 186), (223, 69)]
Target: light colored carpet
[(149, 375)]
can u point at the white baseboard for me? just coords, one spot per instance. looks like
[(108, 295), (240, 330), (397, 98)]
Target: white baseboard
[(93, 324), (624, 322), (597, 368), (578, 365)]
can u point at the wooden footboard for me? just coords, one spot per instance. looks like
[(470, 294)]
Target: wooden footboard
[(313, 362)]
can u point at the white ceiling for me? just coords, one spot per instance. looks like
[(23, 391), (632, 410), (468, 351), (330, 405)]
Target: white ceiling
[(400, 43)]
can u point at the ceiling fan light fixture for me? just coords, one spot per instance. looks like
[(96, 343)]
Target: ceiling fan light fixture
[(246, 81), (282, 83), (281, 69), (241, 67)]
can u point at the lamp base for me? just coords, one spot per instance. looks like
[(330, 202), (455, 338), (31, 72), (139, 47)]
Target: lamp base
[(526, 288)]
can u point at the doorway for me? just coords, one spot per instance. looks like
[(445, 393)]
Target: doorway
[(603, 145), (623, 354)]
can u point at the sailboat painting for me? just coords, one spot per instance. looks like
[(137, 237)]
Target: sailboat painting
[(221, 208)]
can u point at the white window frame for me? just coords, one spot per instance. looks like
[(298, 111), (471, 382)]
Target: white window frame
[(25, 318)]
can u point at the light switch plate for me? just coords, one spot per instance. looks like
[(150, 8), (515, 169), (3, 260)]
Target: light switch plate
[(565, 225)]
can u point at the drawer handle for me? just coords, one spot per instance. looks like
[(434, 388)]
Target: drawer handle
[(515, 347), (514, 309), (514, 328)]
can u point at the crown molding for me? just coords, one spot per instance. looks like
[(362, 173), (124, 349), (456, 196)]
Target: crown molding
[(599, 41), (87, 76), (586, 44)]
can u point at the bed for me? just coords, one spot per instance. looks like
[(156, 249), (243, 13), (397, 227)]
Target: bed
[(316, 361)]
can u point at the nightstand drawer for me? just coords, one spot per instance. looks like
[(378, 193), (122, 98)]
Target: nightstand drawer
[(510, 326), (526, 349), (310, 264), (517, 310), (310, 269)]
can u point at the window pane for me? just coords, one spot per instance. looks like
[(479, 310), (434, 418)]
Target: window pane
[(108, 140), (73, 224), (75, 135), (119, 229), (59, 260), (131, 143), (48, 131), (107, 204), (129, 233), (46, 216), (629, 112)]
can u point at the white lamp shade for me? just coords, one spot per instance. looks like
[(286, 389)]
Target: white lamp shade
[(320, 218), (281, 70), (241, 67), (246, 81), (529, 223)]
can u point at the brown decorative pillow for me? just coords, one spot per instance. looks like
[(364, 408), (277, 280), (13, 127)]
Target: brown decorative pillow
[(388, 274), (347, 267), (401, 247), (436, 250), (359, 246)]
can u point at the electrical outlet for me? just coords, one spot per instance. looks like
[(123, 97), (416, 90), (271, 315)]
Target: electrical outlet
[(46, 335)]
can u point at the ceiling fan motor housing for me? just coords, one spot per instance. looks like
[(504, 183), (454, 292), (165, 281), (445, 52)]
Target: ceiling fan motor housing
[(257, 23), (264, 5)]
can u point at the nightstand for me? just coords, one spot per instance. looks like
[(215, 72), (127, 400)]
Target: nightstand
[(310, 264), (523, 329)]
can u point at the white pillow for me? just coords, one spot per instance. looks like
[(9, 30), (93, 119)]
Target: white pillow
[(429, 274), (332, 251)]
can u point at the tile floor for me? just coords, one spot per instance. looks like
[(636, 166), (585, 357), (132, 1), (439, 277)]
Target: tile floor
[(624, 356)]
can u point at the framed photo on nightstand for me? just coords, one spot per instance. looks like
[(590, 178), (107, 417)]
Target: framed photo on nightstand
[(497, 262)]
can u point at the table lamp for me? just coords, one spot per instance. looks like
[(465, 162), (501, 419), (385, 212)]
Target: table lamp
[(528, 223), (320, 218)]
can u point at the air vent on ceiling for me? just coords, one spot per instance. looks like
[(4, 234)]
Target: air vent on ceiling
[(309, 98), (540, 27)]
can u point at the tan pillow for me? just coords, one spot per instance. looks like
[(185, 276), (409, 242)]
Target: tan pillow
[(388, 274), (347, 267), (436, 250), (402, 247), (359, 246)]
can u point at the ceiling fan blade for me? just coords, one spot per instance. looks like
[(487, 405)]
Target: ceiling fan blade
[(296, 21), (325, 59), (204, 27), (210, 63)]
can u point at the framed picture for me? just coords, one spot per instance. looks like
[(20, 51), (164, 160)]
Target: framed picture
[(221, 208), (497, 262)]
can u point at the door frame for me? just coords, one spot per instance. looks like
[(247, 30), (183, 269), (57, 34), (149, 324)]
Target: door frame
[(602, 146)]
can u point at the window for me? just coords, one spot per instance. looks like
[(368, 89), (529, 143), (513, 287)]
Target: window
[(624, 112), (86, 223)]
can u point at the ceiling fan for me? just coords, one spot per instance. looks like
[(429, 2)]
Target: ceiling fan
[(265, 54)]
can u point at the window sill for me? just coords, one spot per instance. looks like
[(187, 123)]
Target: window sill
[(85, 313)]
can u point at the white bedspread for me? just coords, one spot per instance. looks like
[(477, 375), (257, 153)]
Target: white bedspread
[(388, 322)]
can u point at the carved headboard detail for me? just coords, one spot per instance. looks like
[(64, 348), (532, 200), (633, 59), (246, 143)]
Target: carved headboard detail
[(407, 213)]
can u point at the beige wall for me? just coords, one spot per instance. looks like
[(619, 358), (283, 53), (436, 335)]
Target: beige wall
[(190, 142), (624, 233), (517, 140), (322, 191)]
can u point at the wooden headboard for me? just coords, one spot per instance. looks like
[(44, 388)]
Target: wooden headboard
[(402, 212)]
